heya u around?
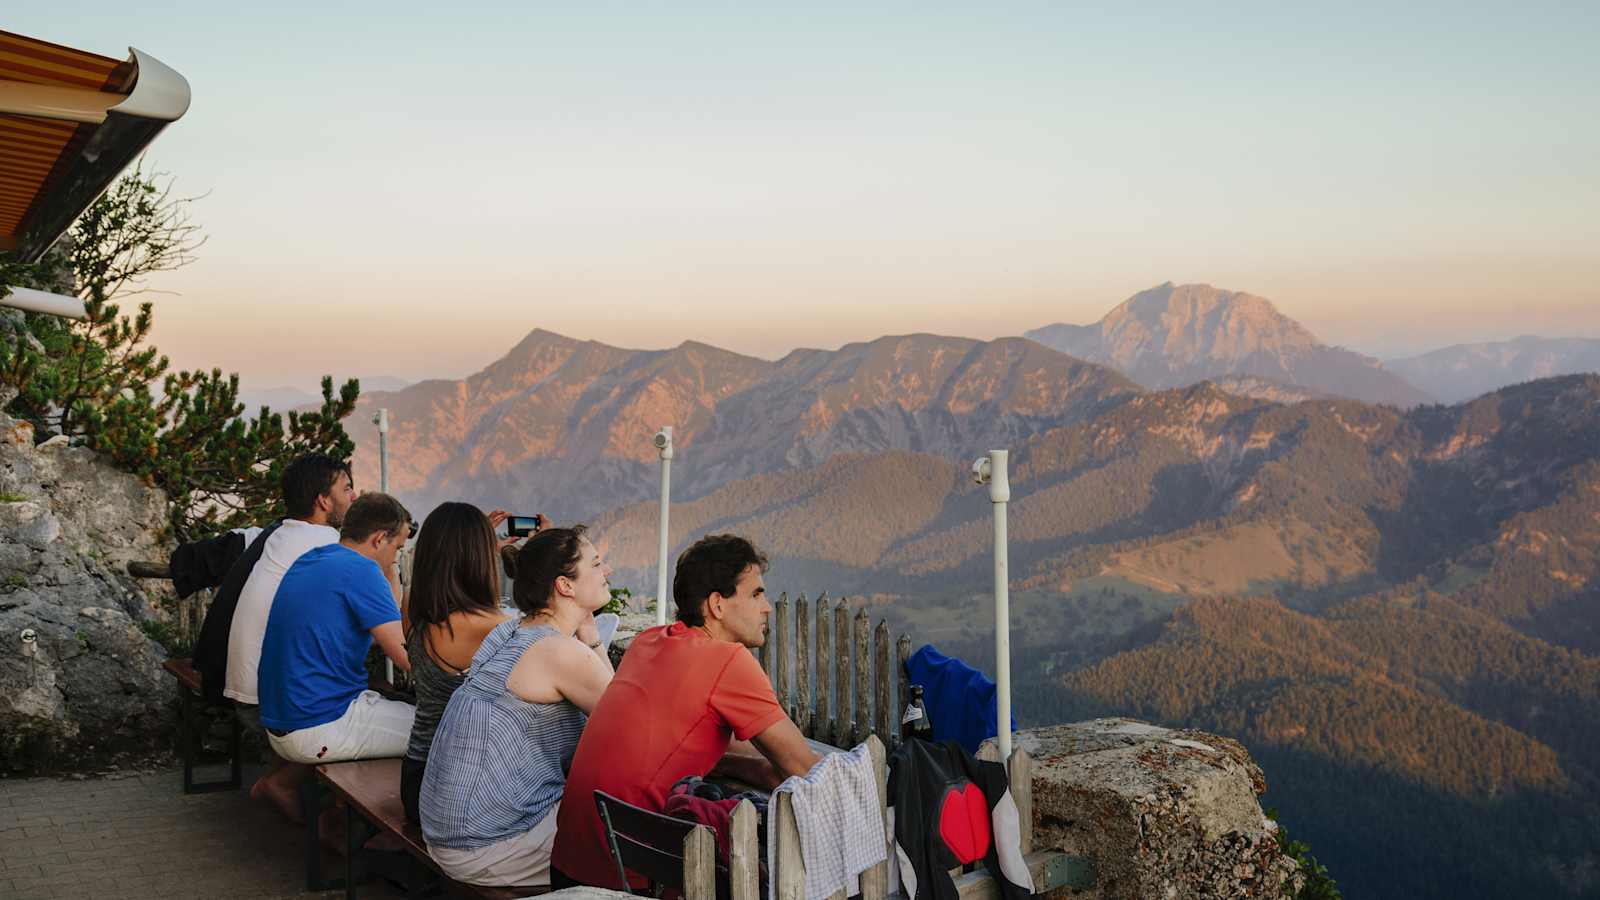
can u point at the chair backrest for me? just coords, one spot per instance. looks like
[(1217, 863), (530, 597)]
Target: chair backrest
[(672, 853)]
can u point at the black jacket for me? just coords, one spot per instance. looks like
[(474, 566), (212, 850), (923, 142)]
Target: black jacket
[(203, 564), (211, 648), (951, 809)]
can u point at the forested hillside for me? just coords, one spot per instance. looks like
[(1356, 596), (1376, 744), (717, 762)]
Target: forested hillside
[(1396, 611)]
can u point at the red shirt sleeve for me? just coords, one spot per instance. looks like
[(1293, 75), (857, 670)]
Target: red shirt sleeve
[(743, 696)]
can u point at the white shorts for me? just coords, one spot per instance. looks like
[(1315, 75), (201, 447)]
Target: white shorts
[(371, 728), (519, 861)]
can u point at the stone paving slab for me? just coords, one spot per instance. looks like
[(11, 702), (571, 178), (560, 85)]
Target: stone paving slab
[(140, 836)]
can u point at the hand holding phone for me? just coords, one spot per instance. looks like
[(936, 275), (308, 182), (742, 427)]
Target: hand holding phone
[(522, 526)]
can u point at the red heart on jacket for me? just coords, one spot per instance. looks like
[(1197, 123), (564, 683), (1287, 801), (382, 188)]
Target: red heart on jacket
[(964, 822)]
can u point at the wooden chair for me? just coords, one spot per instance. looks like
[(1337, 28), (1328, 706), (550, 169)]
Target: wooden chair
[(680, 855)]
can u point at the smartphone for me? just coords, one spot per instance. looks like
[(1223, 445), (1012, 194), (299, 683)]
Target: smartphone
[(522, 526)]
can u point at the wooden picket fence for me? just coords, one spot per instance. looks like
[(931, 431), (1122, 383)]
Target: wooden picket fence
[(830, 668)]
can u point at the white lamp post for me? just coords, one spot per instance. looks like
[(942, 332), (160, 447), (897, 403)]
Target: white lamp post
[(991, 470), (663, 442), (381, 419)]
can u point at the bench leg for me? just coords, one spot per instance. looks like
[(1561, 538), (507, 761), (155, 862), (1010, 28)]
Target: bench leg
[(417, 881), (189, 739), (352, 850), (311, 809), (192, 741), (235, 750)]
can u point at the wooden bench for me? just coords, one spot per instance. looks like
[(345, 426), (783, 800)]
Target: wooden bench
[(192, 730), (370, 791)]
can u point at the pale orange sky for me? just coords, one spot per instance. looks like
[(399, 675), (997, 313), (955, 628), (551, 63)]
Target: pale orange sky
[(1384, 308), (410, 193)]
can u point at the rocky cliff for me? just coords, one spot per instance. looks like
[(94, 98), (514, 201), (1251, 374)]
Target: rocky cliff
[(92, 685), (1160, 813)]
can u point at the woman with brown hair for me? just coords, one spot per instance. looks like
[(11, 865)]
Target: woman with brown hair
[(454, 601), (490, 796)]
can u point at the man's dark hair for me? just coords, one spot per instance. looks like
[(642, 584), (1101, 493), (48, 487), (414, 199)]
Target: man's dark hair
[(308, 478), (546, 556), (372, 513), (711, 565)]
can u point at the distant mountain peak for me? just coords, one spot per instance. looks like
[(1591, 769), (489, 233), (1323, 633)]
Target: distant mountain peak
[(1177, 334)]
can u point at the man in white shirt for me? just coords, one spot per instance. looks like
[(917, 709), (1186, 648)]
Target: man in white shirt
[(317, 490)]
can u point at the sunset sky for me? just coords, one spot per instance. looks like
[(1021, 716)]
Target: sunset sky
[(407, 189)]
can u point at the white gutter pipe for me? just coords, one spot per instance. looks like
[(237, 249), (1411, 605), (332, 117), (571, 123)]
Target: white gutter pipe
[(991, 470), (44, 302), (159, 93), (663, 442)]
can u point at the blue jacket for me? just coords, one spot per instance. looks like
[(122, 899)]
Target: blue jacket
[(959, 698)]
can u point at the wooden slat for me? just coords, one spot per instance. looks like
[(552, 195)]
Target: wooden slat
[(881, 673), (779, 639), (822, 726), (875, 880), (700, 865), (841, 673), (902, 652), (862, 655), (1020, 771), (744, 853), (803, 700), (789, 881)]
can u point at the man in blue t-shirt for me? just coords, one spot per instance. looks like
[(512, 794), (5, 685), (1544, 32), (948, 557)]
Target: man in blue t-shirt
[(331, 605)]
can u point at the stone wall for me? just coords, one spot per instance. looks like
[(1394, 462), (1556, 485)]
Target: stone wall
[(69, 524), (1163, 814)]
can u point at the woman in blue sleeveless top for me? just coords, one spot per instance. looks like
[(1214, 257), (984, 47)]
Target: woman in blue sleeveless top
[(494, 775)]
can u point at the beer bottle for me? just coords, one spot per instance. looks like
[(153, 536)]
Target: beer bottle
[(915, 723)]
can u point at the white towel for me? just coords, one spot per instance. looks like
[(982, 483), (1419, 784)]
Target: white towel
[(841, 825)]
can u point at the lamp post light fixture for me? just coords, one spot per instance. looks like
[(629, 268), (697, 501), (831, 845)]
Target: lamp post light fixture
[(991, 470), (663, 444)]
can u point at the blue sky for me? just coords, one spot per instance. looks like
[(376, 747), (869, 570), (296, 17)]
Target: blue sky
[(418, 185)]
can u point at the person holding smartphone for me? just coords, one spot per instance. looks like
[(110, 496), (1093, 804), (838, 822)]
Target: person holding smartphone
[(452, 605)]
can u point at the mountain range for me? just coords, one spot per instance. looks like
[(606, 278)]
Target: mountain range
[(564, 427), (284, 397), (1463, 371), (1393, 603)]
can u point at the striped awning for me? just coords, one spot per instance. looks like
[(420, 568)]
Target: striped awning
[(70, 121)]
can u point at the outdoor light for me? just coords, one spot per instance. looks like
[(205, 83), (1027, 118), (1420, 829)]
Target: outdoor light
[(381, 419), (991, 470), (663, 444)]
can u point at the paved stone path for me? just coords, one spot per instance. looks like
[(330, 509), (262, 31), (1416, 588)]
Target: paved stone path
[(140, 836)]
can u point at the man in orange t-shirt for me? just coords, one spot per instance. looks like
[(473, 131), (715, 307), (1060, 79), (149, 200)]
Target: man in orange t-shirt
[(689, 699)]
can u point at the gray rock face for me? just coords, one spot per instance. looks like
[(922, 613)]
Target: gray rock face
[(93, 686), (1163, 813)]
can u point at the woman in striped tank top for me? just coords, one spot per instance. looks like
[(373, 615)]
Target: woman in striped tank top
[(452, 605), (494, 774)]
